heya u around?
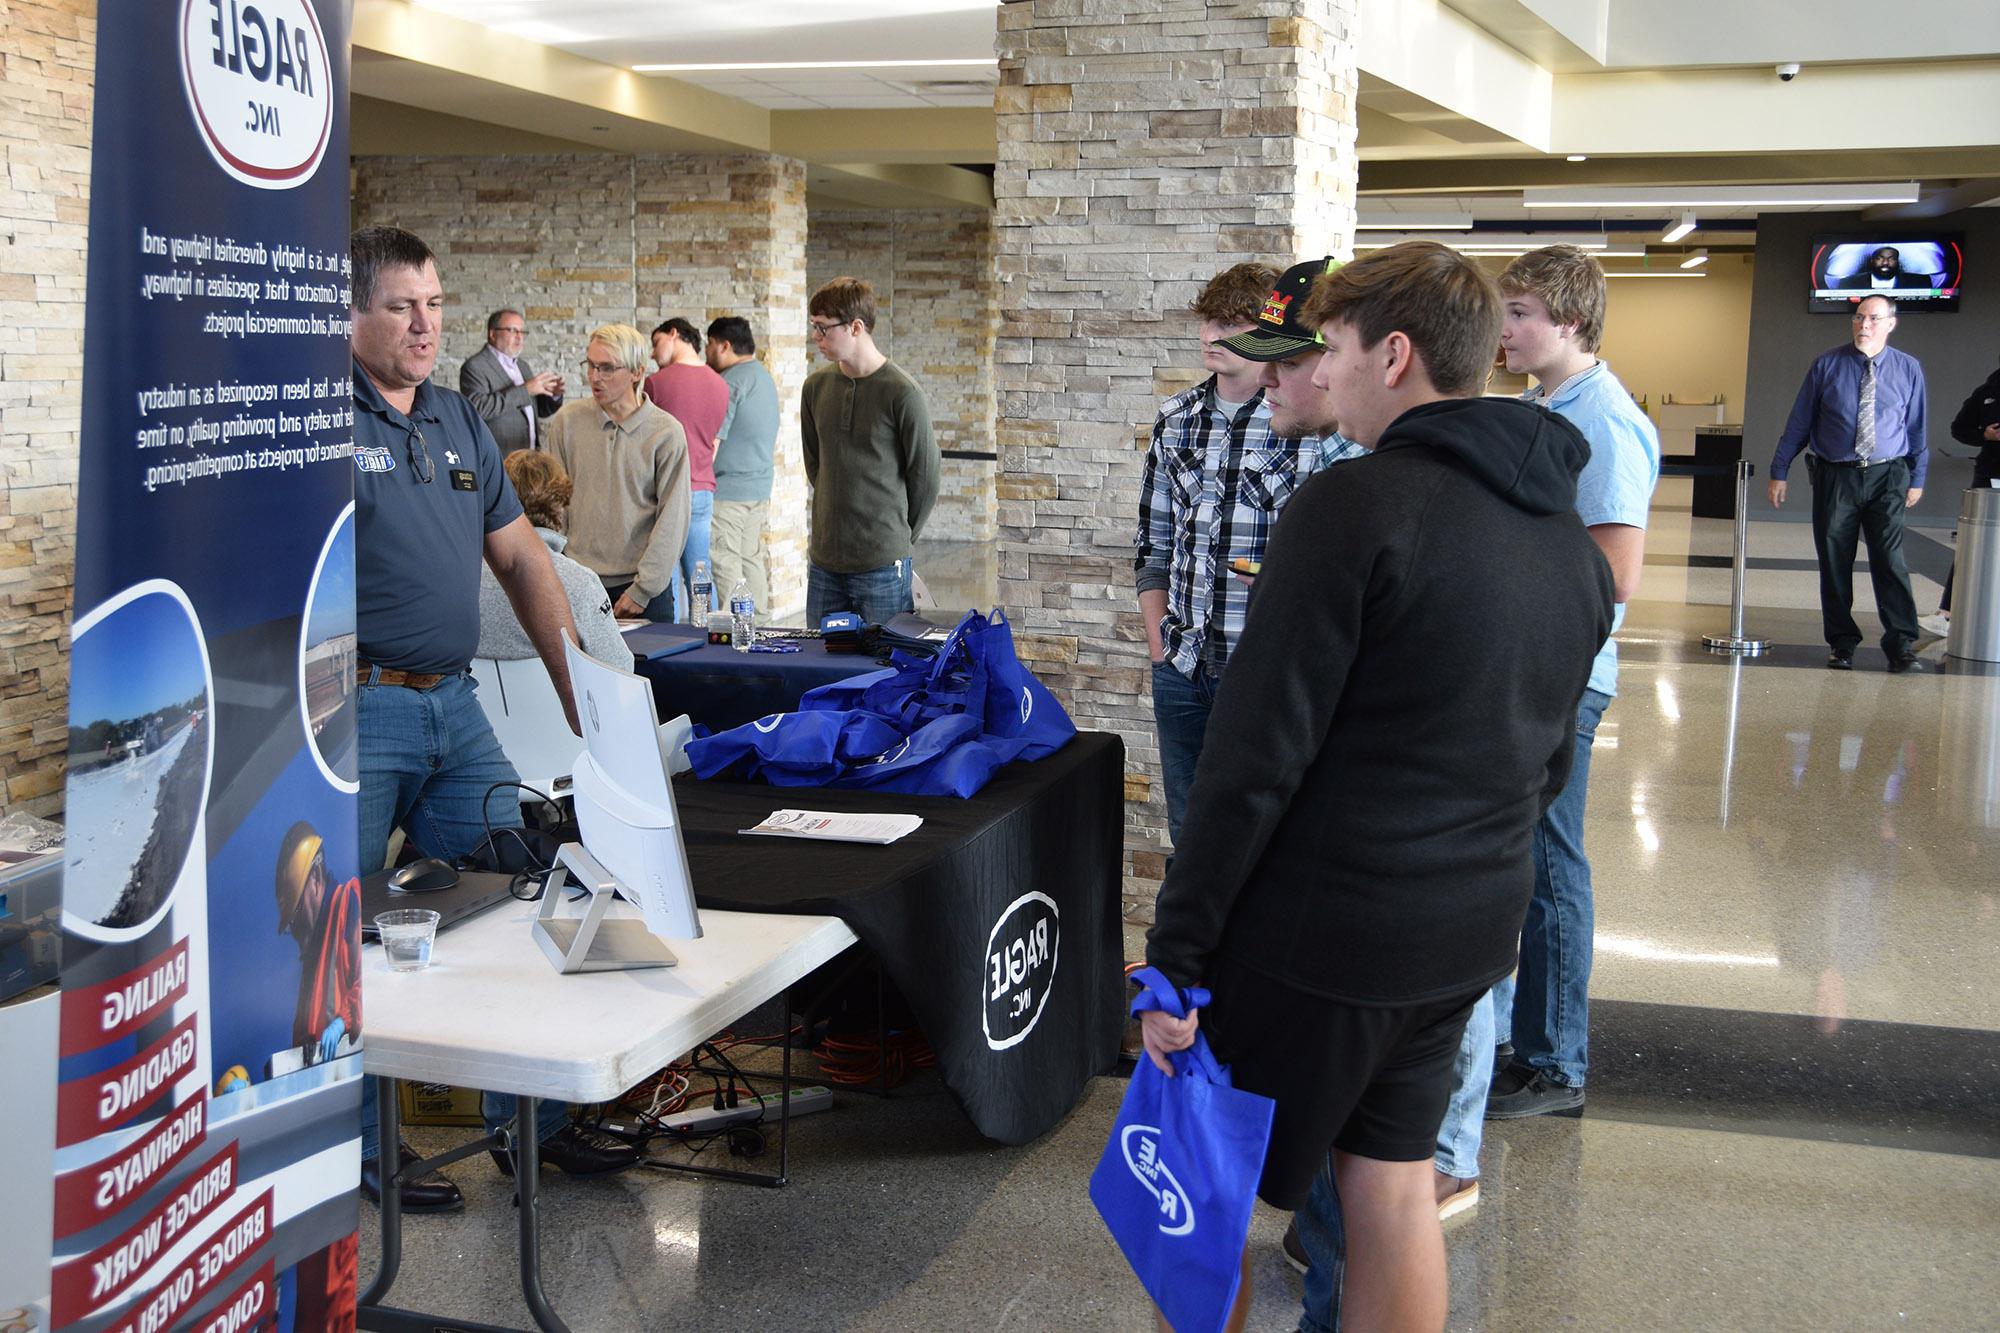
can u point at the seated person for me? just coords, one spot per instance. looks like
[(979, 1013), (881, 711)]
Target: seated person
[(544, 491)]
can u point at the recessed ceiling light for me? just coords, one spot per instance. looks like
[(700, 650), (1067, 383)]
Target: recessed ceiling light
[(1415, 222), (1517, 241), (1720, 196), (988, 61), (1579, 157)]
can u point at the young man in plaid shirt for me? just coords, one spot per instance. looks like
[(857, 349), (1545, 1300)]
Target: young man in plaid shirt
[(1217, 475)]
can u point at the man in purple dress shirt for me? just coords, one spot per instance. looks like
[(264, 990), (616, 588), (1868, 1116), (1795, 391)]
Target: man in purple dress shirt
[(1860, 417)]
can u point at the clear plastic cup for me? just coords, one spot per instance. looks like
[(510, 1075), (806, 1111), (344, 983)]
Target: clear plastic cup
[(406, 937)]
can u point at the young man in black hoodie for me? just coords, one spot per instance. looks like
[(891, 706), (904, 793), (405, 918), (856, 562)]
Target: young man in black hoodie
[(1397, 716)]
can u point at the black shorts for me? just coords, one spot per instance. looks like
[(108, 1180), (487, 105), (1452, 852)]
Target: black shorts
[(1367, 1080)]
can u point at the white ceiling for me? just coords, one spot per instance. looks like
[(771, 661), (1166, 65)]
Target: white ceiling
[(1563, 35), (703, 32)]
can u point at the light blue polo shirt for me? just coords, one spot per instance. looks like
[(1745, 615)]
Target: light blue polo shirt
[(1617, 483)]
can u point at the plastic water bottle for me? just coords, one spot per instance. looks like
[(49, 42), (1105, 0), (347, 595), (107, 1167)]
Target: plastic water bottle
[(742, 617), (702, 597)]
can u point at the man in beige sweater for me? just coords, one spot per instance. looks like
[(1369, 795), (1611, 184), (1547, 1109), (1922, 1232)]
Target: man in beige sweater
[(628, 460)]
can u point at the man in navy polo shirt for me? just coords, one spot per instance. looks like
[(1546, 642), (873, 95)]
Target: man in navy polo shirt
[(431, 501)]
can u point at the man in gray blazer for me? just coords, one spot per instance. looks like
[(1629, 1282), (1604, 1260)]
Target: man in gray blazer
[(502, 387)]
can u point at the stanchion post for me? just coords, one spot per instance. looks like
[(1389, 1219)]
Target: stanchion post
[(1735, 642)]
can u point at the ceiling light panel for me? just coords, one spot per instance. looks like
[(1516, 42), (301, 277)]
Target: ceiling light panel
[(1721, 196)]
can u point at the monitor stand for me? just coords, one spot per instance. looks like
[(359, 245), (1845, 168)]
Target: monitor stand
[(590, 943)]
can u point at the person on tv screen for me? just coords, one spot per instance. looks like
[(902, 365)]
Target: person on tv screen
[(1884, 271)]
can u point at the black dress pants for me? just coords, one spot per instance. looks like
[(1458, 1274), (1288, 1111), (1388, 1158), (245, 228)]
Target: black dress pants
[(1867, 503), (1984, 469)]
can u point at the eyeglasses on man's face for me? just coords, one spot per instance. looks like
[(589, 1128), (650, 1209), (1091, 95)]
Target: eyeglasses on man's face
[(1874, 319), (518, 330), (601, 367), (820, 330)]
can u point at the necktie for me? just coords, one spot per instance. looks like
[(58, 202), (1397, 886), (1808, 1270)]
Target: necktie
[(1864, 422)]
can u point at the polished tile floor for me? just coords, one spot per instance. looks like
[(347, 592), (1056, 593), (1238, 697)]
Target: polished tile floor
[(1794, 1116)]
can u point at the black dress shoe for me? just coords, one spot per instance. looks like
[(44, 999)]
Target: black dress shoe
[(1521, 1091), (433, 1194), (578, 1151), (1902, 662), (1840, 659)]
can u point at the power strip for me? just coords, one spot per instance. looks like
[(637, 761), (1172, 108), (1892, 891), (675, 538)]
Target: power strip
[(705, 1118)]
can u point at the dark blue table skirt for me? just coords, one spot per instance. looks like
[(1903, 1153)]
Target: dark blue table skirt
[(722, 688)]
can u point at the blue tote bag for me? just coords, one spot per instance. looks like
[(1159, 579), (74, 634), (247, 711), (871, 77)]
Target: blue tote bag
[(1178, 1179)]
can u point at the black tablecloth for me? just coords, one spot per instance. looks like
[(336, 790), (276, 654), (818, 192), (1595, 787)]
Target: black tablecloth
[(723, 688), (998, 919)]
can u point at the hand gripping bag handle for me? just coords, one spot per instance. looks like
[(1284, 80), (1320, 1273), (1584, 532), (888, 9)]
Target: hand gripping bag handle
[(1156, 992)]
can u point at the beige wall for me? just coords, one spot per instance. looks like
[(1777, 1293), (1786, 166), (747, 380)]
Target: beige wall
[(1686, 337), (48, 51)]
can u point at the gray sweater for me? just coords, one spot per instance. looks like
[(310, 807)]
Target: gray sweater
[(501, 635)]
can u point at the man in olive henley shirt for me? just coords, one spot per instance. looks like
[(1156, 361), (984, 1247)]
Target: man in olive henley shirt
[(873, 466)]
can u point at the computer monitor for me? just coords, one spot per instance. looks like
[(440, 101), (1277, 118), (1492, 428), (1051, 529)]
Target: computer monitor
[(625, 796)]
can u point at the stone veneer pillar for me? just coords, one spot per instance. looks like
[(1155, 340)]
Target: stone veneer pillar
[(576, 240), (48, 50), (1144, 145)]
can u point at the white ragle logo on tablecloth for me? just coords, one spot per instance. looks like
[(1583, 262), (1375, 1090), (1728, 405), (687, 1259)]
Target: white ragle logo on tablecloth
[(1020, 968)]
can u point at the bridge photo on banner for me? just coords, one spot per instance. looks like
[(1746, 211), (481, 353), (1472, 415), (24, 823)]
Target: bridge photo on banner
[(208, 1082)]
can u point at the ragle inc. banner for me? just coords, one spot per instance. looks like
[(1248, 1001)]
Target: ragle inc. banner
[(209, 1081)]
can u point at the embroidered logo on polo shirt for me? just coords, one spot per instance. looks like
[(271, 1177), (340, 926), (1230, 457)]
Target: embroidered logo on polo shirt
[(1274, 308), (374, 458)]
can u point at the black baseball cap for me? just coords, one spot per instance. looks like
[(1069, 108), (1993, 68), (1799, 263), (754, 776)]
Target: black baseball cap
[(1279, 336)]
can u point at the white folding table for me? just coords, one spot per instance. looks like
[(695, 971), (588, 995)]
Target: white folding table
[(490, 1012)]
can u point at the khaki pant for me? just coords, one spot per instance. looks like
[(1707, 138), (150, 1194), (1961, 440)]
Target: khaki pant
[(736, 551)]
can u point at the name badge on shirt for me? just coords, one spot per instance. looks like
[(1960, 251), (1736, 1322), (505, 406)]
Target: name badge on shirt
[(463, 479)]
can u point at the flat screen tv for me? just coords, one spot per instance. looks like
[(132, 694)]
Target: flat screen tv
[(1921, 270)]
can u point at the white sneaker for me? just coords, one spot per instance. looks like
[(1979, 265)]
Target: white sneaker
[(1939, 624)]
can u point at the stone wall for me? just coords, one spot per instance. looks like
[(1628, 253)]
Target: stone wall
[(48, 51), (1144, 145), (937, 301), (579, 240)]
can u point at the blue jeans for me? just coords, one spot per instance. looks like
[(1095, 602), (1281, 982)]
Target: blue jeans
[(1464, 1124), (1324, 1236), (701, 511), (876, 595), (1180, 714), (428, 758), (1546, 1005)]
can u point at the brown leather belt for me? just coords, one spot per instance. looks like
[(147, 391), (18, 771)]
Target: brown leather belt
[(409, 680)]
